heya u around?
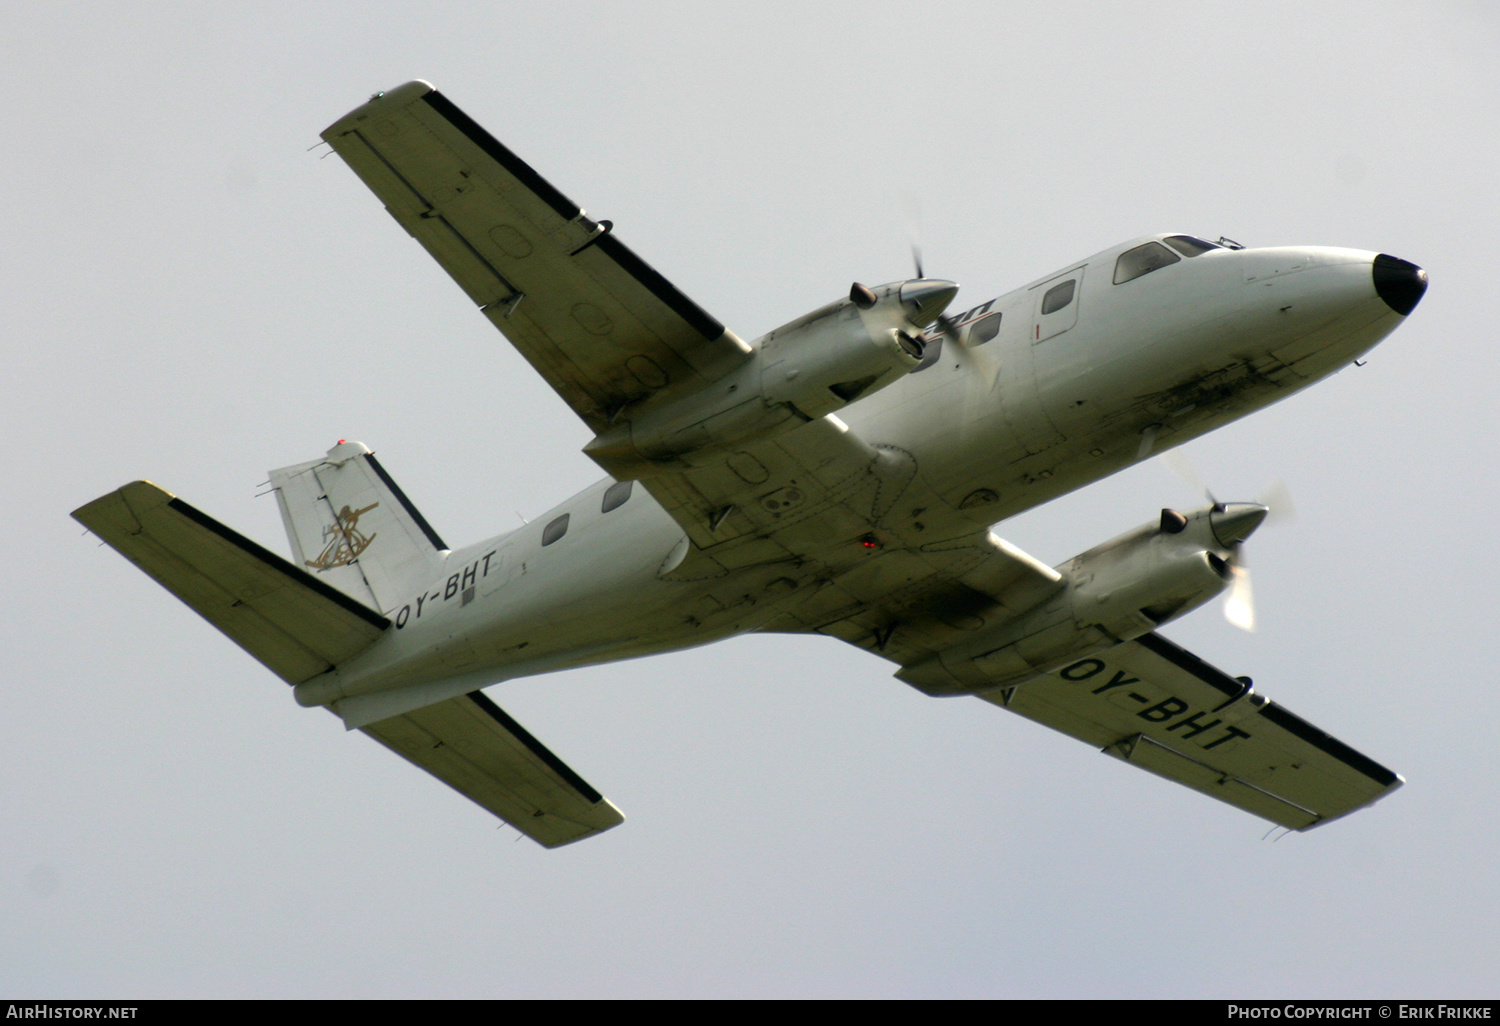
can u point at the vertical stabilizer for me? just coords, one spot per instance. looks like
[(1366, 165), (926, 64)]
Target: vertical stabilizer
[(354, 529)]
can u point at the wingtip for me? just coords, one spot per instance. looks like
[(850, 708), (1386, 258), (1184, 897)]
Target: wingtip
[(406, 91), (135, 495), (387, 99)]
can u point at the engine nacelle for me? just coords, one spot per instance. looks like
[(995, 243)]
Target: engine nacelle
[(811, 367), (1113, 593)]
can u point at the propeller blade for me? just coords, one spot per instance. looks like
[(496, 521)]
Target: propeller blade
[(911, 213), (1279, 498), (948, 328), (1239, 605), (1180, 464)]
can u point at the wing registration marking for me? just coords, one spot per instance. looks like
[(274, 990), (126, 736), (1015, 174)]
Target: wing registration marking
[(1158, 712)]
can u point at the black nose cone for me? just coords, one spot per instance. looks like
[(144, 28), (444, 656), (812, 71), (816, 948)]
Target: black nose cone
[(1399, 282)]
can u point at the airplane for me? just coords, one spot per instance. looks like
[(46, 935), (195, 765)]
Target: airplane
[(839, 476)]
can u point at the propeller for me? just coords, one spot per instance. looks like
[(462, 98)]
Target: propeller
[(944, 322), (911, 210), (987, 370), (1232, 524), (1277, 497)]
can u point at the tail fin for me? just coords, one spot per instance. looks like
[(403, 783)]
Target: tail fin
[(353, 528)]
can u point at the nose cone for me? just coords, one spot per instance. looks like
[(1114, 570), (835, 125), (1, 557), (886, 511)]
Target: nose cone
[(1236, 521), (924, 298), (1399, 282)]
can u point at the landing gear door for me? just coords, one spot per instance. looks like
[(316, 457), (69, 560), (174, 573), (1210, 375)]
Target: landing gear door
[(1056, 307)]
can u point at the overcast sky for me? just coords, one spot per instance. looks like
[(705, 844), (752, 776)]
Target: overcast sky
[(192, 296)]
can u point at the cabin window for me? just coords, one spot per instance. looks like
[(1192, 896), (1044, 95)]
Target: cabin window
[(615, 496), (1188, 246), (1142, 260), (1058, 296), (984, 329), (555, 530)]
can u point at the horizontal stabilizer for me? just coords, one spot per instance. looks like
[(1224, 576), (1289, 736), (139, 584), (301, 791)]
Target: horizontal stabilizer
[(1156, 706), (293, 623), (470, 744)]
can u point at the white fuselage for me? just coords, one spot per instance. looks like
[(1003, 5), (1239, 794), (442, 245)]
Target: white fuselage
[(1053, 401)]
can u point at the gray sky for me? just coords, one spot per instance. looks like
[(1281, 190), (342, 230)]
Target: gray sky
[(192, 297)]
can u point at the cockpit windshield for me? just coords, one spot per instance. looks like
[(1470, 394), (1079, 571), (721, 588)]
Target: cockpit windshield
[(1142, 260), (1152, 256), (1189, 246)]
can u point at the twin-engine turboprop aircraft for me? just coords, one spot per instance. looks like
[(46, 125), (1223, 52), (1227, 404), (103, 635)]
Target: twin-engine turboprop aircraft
[(838, 475)]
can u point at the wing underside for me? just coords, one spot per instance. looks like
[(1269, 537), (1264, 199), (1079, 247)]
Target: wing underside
[(1154, 705), (601, 325)]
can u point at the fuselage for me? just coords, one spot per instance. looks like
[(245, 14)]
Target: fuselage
[(1041, 391)]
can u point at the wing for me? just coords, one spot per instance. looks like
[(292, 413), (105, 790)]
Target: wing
[(600, 325), (470, 744), (1156, 706), (605, 330)]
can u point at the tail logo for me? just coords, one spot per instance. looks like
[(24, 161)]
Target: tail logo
[(344, 539)]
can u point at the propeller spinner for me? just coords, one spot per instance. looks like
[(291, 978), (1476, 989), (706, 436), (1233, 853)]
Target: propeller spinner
[(925, 299)]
